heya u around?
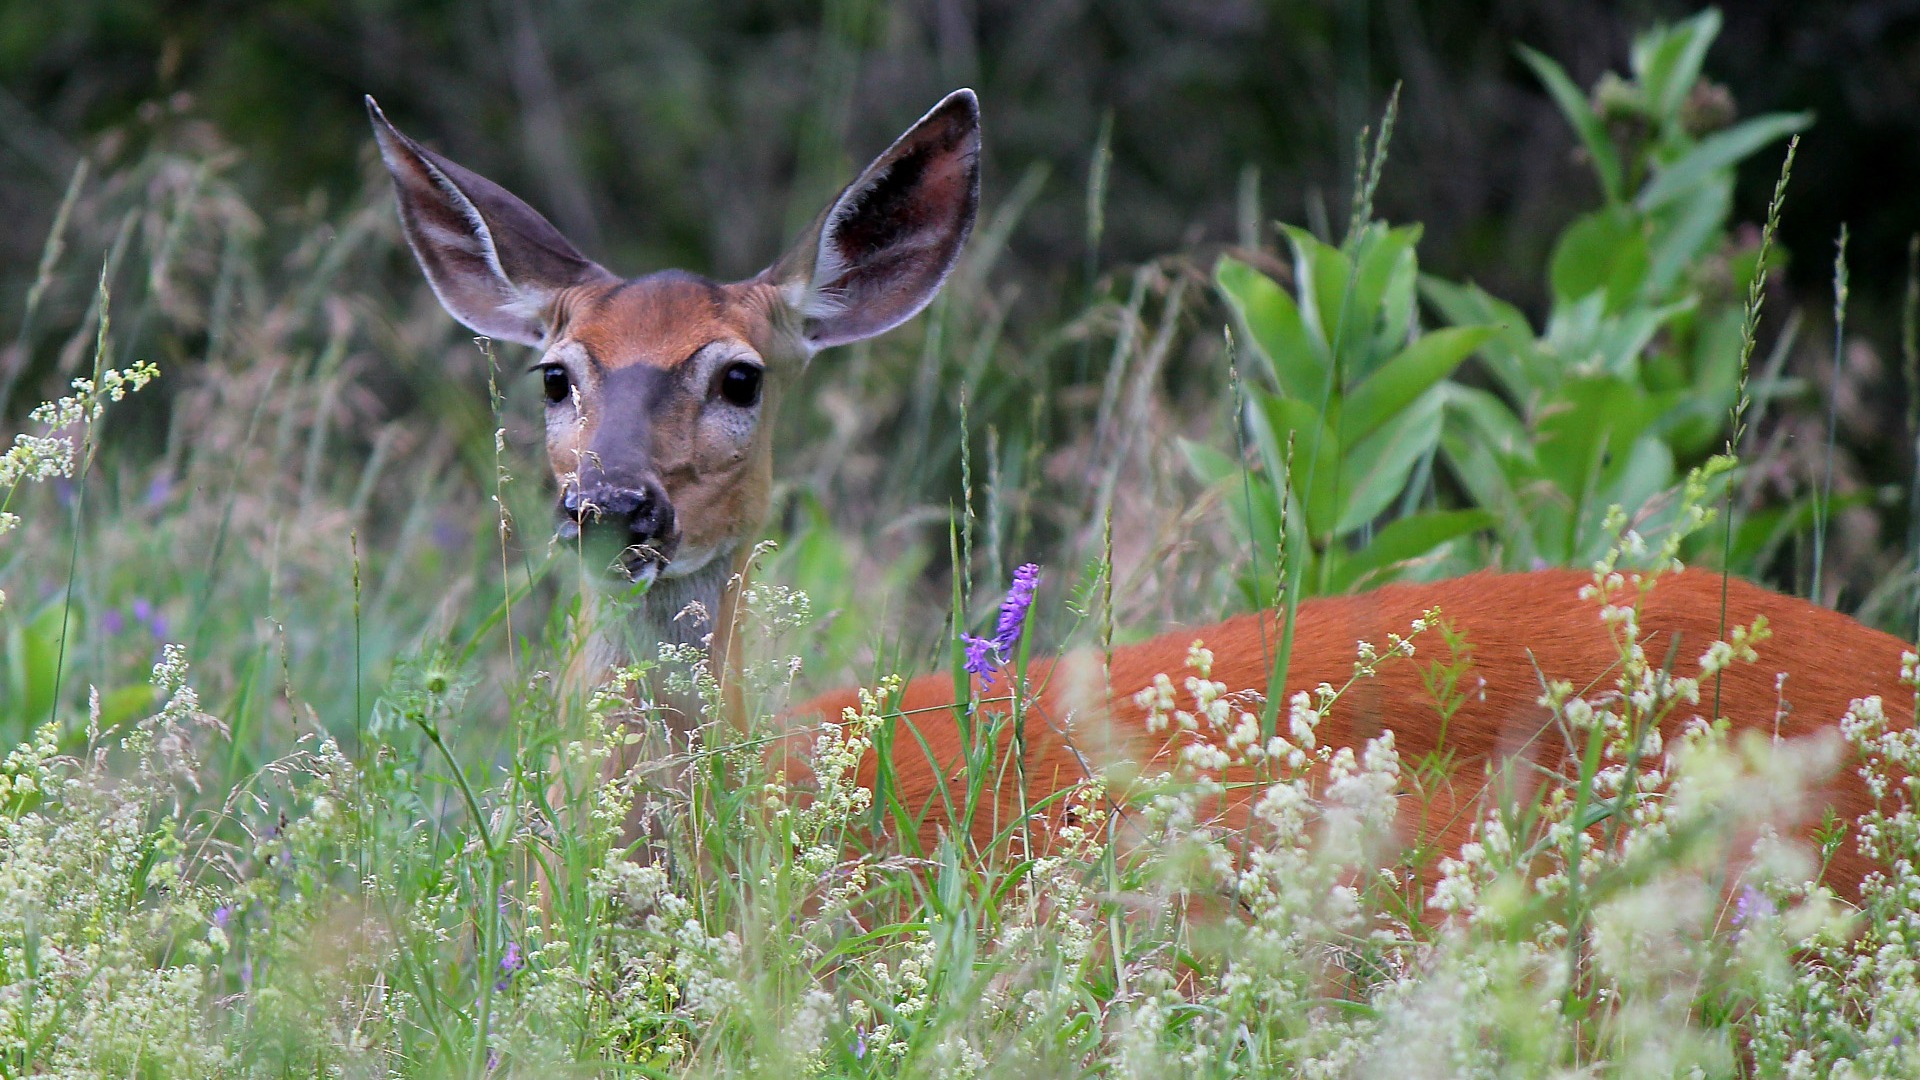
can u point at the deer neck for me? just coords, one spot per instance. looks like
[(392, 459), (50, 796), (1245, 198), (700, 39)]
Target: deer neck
[(693, 611)]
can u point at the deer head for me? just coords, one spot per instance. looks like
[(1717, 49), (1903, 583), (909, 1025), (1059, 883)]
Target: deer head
[(661, 389)]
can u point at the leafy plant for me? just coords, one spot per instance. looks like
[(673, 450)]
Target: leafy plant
[(1349, 405), (1634, 373)]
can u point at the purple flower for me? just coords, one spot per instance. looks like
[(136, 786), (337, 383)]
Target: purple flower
[(511, 961), (986, 654), (223, 915), (158, 489), (860, 1043), (1753, 904), (145, 612), (113, 622), (980, 659)]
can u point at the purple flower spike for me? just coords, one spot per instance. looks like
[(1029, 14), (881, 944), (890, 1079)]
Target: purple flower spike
[(223, 915), (979, 655), (984, 655), (511, 961)]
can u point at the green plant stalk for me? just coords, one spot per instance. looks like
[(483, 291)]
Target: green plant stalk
[(1910, 367), (88, 447), (1749, 333), (1824, 500)]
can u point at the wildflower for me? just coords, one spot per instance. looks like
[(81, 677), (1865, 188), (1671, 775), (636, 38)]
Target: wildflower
[(984, 655), (1753, 904), (222, 915), (511, 961), (145, 613)]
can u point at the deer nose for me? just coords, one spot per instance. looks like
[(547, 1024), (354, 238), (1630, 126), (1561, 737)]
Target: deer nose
[(638, 516)]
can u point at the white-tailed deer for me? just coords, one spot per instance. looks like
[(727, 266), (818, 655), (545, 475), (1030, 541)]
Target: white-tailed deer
[(660, 394), (661, 389)]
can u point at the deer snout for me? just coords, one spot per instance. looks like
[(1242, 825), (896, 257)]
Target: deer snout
[(639, 518)]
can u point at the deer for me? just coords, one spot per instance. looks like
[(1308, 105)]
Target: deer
[(660, 395)]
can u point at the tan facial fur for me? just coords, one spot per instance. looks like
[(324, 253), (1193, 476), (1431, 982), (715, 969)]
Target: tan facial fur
[(712, 458)]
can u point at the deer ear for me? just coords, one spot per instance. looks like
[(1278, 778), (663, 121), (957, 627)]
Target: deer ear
[(493, 261), (883, 248)]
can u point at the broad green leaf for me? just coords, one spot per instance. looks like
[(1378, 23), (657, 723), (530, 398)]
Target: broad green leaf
[(33, 656), (126, 704), (1209, 466), (1573, 104), (1384, 263), (1404, 540), (1487, 450), (1721, 150), (1320, 274), (1589, 423), (1667, 61), (1403, 379), (1374, 471), (1315, 476), (1620, 342), (1632, 478), (1686, 229), (1271, 321), (1509, 353), (1607, 250)]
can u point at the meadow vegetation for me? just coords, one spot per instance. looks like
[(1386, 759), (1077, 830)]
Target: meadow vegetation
[(298, 787)]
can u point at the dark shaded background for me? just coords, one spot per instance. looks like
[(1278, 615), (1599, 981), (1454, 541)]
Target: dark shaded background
[(700, 133)]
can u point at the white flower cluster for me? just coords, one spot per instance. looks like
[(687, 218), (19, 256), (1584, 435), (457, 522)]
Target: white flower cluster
[(39, 458)]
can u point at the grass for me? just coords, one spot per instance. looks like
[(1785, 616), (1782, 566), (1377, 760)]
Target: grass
[(301, 787)]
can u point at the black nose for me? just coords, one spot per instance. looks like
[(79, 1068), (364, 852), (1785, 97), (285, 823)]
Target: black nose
[(642, 513)]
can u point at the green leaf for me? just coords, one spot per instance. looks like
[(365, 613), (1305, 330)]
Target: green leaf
[(1573, 104), (1584, 438), (1488, 452), (1667, 61), (1209, 466), (1405, 540), (1320, 274), (1721, 150), (1271, 322), (1374, 471), (1607, 250), (1511, 353), (1271, 419), (1686, 230), (1380, 302), (33, 655), (1403, 379)]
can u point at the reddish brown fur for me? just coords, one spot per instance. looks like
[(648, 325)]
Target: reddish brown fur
[(1519, 626)]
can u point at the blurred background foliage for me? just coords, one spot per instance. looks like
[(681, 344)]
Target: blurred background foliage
[(704, 134), (322, 419)]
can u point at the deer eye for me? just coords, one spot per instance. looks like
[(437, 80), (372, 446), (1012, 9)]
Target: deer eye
[(553, 380), (740, 384)]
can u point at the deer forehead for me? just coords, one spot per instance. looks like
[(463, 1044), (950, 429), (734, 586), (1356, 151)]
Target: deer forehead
[(662, 320)]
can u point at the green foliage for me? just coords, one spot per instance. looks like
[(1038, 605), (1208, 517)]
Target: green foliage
[(1631, 381), (1634, 376), (1349, 403)]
